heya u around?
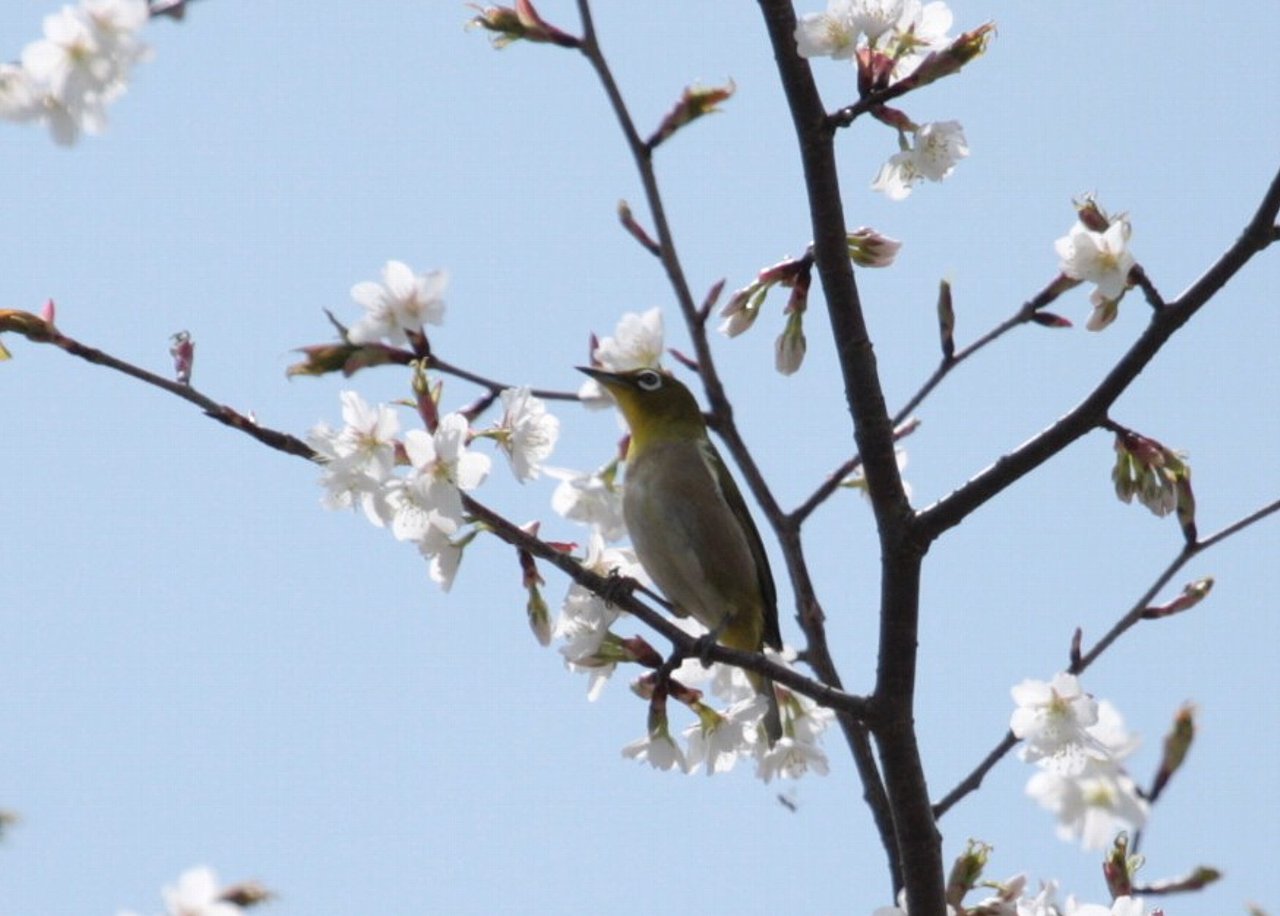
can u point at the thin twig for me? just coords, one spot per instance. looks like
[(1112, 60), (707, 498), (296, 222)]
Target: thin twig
[(954, 508), (824, 694), (1126, 622)]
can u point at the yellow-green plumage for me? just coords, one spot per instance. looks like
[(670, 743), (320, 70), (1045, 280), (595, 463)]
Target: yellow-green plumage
[(689, 524)]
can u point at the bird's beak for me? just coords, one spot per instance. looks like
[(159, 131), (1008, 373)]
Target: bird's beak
[(608, 379)]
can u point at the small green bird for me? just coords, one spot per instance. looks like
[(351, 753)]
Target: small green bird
[(688, 522)]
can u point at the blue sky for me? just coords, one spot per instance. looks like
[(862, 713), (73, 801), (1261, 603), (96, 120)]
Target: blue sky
[(200, 665)]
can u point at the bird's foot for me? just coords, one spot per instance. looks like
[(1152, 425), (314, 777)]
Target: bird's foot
[(703, 647), (617, 587)]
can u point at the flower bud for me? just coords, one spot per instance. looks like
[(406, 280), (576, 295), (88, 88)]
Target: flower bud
[(946, 320), (183, 350), (868, 248), (694, 102), (789, 348), (523, 21)]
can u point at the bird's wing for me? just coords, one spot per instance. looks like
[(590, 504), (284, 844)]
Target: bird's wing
[(764, 576)]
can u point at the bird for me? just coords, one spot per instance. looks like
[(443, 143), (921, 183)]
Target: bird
[(689, 525)]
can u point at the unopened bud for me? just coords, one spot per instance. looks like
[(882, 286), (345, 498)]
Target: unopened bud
[(1192, 594), (321, 359), (874, 70), (950, 59), (523, 21), (1119, 867), (789, 348), (246, 894), (636, 231), (1176, 745), (946, 320), (183, 350), (1091, 215), (539, 614), (1199, 879), (1050, 320), (30, 326), (868, 248), (694, 102)]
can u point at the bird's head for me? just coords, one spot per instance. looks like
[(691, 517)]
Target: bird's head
[(655, 405)]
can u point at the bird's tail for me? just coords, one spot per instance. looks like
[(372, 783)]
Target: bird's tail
[(772, 720)]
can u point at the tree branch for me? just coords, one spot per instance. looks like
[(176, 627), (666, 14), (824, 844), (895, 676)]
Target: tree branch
[(39, 331), (1126, 622), (952, 509), (918, 844)]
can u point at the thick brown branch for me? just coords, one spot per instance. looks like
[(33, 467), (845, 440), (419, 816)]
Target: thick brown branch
[(916, 838)]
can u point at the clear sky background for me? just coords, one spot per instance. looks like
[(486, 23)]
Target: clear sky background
[(200, 665)]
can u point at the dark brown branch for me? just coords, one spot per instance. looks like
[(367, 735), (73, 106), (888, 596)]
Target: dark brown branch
[(919, 854), (953, 509), (798, 515), (642, 156)]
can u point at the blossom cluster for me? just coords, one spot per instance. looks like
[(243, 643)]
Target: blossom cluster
[(905, 31), (66, 79), (889, 40), (720, 737), (1079, 745), (413, 484)]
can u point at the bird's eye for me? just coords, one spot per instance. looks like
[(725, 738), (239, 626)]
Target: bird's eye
[(648, 380)]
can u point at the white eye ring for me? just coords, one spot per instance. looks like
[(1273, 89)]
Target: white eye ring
[(648, 380)]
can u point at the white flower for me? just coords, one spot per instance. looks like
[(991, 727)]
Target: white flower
[(933, 154), (594, 499), (1091, 807), (658, 750), (718, 739), (585, 617), (1042, 904), (68, 61), (809, 721), (637, 343), (197, 894), (791, 758), (400, 304), (527, 433), (1101, 258), (1121, 906), (442, 466), (1052, 720), (1006, 900), (17, 94), (875, 17), (443, 556), (921, 29), (359, 458), (830, 34), (901, 908), (68, 77)]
